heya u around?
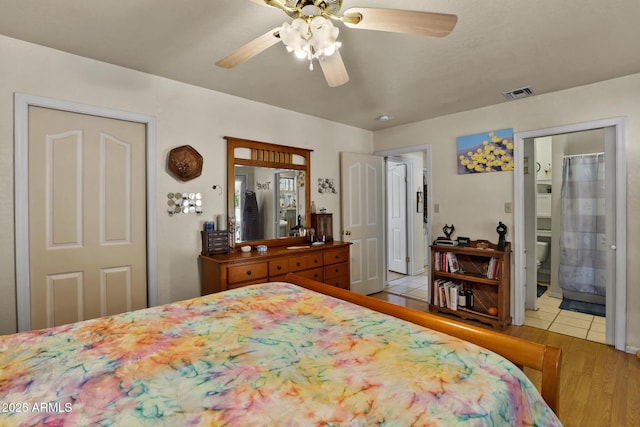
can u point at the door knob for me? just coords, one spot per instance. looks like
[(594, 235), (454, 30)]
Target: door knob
[(614, 247), (348, 233)]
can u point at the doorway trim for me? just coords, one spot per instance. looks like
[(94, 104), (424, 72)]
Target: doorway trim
[(619, 301), (22, 102), (426, 148)]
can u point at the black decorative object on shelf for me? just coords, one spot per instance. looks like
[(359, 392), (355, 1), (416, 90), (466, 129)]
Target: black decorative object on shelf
[(463, 241), (502, 232), (448, 231)]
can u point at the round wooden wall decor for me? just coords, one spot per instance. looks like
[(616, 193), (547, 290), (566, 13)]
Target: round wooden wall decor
[(185, 163)]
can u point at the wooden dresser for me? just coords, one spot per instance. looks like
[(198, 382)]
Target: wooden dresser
[(328, 263)]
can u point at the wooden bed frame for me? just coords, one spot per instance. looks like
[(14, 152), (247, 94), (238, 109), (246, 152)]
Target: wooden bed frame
[(544, 358)]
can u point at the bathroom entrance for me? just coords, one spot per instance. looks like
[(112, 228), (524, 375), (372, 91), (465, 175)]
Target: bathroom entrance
[(539, 218), (561, 191)]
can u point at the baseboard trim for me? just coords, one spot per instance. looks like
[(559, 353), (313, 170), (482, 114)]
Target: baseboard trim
[(633, 350)]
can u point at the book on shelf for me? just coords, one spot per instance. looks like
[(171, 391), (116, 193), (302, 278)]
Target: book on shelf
[(437, 286), (445, 294), (452, 262), (453, 291), (493, 269), (446, 262)]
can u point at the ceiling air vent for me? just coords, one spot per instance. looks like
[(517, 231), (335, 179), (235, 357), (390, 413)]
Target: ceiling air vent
[(523, 92)]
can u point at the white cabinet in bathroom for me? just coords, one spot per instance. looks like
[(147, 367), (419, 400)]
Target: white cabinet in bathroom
[(543, 205), (543, 198)]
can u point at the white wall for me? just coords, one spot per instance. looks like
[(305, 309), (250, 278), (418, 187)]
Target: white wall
[(185, 115), (475, 203)]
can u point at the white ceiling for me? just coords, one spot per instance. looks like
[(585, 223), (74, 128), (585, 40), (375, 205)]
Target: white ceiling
[(497, 45)]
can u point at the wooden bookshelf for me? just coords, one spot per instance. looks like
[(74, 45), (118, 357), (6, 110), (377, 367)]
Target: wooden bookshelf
[(480, 267)]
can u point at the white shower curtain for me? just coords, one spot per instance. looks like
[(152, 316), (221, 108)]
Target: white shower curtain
[(582, 237)]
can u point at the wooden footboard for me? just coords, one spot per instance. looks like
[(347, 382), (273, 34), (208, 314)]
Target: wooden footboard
[(544, 358)]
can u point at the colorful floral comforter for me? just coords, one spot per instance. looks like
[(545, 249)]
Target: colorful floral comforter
[(273, 354)]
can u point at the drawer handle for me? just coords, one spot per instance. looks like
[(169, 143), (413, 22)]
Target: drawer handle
[(297, 264), (315, 261), (279, 267), (337, 256), (249, 273), (337, 270)]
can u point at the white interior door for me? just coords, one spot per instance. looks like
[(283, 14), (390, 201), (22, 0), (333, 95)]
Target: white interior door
[(87, 216), (397, 216), (363, 219)]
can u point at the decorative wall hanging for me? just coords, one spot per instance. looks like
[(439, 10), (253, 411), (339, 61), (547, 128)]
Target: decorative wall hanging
[(266, 186), (485, 152), (184, 203), (184, 163), (327, 185)]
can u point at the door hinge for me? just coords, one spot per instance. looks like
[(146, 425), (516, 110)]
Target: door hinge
[(407, 260)]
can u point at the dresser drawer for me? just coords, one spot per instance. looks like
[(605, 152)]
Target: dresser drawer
[(336, 270), (297, 263), (314, 273), (278, 267), (334, 257), (339, 281), (314, 260), (246, 272), (305, 262)]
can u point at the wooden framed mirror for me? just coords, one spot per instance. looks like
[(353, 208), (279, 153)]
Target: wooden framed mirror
[(269, 193)]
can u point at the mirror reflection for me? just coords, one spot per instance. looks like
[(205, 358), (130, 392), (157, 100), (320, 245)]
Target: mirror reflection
[(268, 192), (268, 203)]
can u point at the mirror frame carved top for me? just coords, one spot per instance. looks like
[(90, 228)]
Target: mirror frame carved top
[(266, 155)]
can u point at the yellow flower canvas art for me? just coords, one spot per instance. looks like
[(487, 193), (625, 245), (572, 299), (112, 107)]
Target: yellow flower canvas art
[(485, 152)]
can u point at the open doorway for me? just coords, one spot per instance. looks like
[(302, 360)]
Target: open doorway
[(543, 219), (408, 230)]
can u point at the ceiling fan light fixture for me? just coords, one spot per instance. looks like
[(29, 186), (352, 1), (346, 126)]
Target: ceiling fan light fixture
[(331, 49), (314, 38), (310, 10)]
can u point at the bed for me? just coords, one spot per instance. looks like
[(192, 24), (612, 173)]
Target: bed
[(281, 354)]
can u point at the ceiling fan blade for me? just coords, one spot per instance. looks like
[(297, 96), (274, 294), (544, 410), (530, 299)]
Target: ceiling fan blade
[(400, 21), (334, 70), (250, 49), (278, 4)]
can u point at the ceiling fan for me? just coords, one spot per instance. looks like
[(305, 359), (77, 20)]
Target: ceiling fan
[(312, 35)]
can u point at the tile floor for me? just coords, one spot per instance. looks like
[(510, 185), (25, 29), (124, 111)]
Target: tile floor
[(548, 316), (408, 286)]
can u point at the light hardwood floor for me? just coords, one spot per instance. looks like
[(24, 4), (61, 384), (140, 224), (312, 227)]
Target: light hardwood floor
[(599, 386)]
